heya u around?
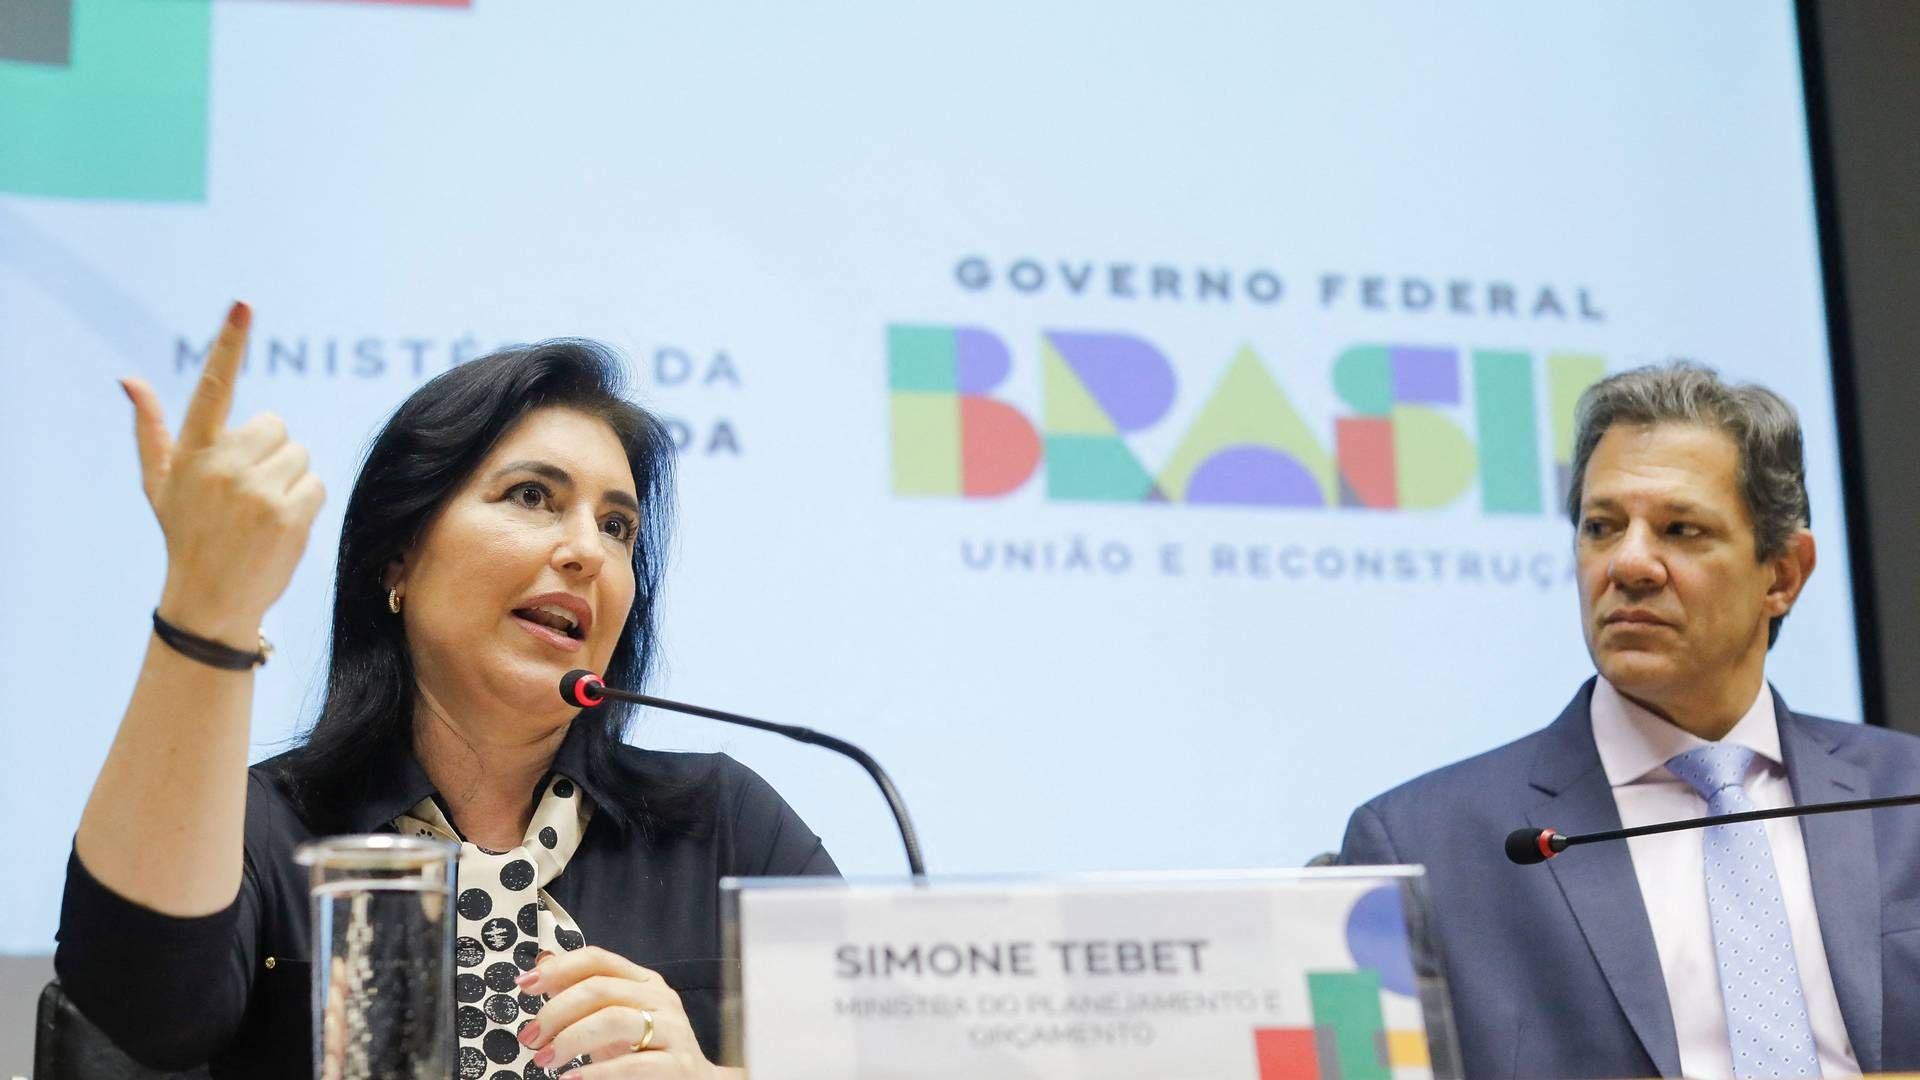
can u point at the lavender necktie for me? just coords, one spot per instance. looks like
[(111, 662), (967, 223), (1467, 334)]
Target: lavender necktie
[(1767, 1021)]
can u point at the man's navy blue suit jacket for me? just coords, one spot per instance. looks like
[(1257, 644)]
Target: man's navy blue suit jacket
[(1552, 969)]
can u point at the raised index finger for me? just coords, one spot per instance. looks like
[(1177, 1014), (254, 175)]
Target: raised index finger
[(207, 412)]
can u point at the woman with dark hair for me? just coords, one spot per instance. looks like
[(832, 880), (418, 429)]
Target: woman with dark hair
[(507, 526)]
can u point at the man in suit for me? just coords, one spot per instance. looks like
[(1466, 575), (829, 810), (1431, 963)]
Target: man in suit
[(1784, 948)]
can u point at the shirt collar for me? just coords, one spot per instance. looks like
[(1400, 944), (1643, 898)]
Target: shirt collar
[(571, 760), (395, 785), (398, 781), (1634, 743)]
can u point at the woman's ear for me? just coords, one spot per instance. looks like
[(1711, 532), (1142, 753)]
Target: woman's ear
[(395, 573)]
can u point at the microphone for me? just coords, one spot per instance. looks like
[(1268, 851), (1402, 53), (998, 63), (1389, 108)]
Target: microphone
[(1529, 846), (585, 690)]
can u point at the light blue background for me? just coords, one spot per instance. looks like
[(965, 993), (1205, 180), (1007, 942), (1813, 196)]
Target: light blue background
[(781, 182)]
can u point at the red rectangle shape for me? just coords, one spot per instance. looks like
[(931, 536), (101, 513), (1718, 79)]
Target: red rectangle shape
[(1365, 448), (1286, 1054)]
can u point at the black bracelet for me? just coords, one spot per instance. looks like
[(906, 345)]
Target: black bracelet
[(208, 652)]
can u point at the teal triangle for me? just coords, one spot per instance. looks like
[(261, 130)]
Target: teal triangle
[(1095, 468)]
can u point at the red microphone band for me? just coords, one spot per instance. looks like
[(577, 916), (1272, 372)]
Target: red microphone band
[(585, 689), (1546, 844), (590, 683)]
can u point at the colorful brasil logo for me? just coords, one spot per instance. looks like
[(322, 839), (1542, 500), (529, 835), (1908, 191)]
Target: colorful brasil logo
[(1349, 1038), (1400, 448), (107, 99)]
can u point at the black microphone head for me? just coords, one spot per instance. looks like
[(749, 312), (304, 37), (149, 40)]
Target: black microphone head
[(580, 688), (1524, 846)]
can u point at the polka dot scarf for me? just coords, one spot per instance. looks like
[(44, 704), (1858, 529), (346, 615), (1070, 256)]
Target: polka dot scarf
[(506, 920)]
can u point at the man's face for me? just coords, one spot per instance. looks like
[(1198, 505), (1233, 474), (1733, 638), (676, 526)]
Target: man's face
[(1674, 602)]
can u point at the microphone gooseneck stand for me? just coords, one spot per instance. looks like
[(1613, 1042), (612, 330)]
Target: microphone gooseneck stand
[(1530, 846), (583, 689)]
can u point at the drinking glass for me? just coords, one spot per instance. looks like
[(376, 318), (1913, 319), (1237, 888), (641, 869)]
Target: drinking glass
[(382, 908)]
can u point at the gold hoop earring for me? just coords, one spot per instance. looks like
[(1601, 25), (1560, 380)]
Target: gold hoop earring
[(393, 601)]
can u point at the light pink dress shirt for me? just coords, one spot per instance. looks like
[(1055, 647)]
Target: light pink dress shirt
[(1634, 748)]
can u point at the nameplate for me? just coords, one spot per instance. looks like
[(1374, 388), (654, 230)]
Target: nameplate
[(1292, 976)]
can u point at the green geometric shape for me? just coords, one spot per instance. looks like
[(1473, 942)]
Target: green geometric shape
[(922, 358), (1432, 458), (1568, 377), (1509, 432), (1094, 468), (1247, 408), (1348, 1003), (1070, 410), (926, 443), (125, 119), (1363, 377)]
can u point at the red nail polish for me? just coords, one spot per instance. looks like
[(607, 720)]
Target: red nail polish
[(544, 1058), (530, 1034)]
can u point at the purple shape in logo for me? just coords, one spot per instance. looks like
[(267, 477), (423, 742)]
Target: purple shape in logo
[(1377, 938), (1129, 378), (1253, 476), (981, 360), (1425, 376)]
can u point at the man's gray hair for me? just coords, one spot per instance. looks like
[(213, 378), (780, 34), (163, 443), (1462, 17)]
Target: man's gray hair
[(1772, 477), (1764, 429)]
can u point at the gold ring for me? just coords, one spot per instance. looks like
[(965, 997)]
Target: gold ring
[(646, 1037)]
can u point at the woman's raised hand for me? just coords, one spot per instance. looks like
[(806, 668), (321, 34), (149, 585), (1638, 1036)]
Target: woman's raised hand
[(235, 504), (165, 825)]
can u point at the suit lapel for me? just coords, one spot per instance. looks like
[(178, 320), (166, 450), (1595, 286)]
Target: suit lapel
[(1598, 881), (1845, 873)]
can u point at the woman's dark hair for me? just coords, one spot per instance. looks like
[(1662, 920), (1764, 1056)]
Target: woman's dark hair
[(429, 447)]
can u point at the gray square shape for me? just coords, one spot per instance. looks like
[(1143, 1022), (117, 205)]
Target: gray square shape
[(37, 31)]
